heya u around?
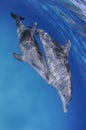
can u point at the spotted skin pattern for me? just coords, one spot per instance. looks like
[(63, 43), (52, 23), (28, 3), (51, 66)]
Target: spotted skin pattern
[(57, 60), (30, 50), (57, 71)]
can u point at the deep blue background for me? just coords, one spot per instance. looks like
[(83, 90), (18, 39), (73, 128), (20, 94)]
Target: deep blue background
[(27, 102)]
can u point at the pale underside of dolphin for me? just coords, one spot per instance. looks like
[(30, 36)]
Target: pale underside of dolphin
[(56, 72)]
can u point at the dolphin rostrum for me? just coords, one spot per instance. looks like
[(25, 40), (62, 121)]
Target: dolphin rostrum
[(30, 50), (57, 60)]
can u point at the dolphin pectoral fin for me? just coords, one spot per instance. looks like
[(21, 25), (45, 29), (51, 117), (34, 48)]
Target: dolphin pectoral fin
[(18, 56), (37, 67), (44, 74), (67, 47)]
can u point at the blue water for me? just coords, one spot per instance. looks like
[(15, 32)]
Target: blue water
[(27, 102)]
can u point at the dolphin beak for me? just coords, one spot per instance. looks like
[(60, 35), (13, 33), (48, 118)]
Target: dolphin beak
[(13, 15), (16, 16)]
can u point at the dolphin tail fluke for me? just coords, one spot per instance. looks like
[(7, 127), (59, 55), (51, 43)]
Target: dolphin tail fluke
[(16, 17)]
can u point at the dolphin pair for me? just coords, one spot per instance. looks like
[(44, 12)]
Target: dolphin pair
[(56, 72)]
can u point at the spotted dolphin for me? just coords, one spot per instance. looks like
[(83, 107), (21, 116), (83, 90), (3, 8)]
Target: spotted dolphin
[(57, 73), (57, 60), (30, 50)]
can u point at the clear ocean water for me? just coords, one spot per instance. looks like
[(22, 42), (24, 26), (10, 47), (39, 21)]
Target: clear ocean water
[(27, 102)]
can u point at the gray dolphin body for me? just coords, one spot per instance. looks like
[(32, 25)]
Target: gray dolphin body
[(29, 47), (57, 60), (56, 72)]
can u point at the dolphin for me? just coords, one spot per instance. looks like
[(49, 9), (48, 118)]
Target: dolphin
[(56, 72), (30, 50), (57, 60)]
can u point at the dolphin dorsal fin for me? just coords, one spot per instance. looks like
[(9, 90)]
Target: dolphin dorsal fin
[(67, 47), (33, 29), (34, 26)]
